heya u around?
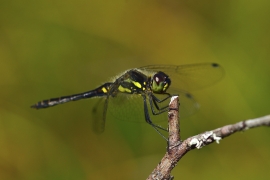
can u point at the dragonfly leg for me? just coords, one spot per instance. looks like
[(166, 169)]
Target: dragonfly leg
[(153, 100), (148, 120), (164, 99)]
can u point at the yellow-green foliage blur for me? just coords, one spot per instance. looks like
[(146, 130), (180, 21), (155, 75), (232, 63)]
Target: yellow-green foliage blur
[(55, 48)]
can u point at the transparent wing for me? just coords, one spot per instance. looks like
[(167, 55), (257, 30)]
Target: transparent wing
[(98, 120), (129, 107), (191, 76)]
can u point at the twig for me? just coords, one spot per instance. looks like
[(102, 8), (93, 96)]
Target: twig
[(177, 149)]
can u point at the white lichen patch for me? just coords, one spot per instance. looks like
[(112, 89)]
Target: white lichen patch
[(204, 139), (195, 142), (216, 138)]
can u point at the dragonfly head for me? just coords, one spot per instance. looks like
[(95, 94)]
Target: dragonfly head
[(160, 82)]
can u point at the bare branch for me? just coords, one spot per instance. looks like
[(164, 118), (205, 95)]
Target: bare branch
[(177, 149)]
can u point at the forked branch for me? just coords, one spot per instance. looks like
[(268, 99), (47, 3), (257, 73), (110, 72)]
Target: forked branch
[(177, 149)]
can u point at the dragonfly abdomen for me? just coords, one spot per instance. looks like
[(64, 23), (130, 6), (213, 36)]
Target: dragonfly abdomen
[(98, 92)]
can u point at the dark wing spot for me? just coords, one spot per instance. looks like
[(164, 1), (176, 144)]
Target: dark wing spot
[(215, 65), (189, 96)]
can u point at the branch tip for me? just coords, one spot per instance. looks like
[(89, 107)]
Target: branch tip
[(172, 99)]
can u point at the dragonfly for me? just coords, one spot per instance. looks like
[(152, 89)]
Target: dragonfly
[(151, 86)]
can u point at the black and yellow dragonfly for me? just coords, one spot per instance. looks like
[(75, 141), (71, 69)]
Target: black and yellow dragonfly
[(152, 86)]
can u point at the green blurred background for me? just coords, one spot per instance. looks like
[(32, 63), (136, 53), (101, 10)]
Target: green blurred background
[(55, 48)]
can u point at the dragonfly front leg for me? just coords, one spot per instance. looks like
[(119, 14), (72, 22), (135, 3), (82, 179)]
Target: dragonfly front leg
[(162, 100), (153, 100)]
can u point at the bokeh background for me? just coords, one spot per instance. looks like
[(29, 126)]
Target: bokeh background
[(54, 48)]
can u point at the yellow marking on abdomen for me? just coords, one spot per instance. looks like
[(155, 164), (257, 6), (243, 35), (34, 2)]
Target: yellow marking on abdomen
[(104, 90)]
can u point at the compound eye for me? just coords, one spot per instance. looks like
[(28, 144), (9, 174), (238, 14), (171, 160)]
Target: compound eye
[(159, 78)]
